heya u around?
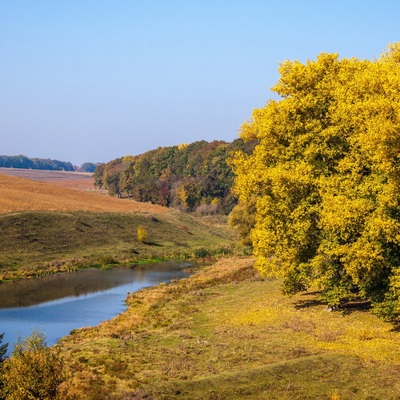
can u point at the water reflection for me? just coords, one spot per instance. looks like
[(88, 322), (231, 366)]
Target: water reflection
[(35, 291), (59, 303)]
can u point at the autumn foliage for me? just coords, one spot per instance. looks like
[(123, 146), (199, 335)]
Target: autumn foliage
[(141, 234), (191, 177), (35, 371), (324, 179)]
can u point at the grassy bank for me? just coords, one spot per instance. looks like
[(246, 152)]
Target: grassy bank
[(35, 242), (225, 333)]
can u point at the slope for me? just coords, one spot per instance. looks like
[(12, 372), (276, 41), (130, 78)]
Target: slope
[(48, 228), (19, 194)]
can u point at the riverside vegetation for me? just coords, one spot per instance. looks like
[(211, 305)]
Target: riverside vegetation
[(318, 202)]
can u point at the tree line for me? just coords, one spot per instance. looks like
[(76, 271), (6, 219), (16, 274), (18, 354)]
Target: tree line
[(22, 161), (25, 162), (319, 197), (192, 177)]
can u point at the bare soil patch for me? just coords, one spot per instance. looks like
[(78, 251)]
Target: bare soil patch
[(68, 179), (19, 194)]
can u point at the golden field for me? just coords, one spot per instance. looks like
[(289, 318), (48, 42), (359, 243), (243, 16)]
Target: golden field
[(20, 194)]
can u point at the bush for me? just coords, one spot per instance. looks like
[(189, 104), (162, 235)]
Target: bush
[(34, 371), (201, 252), (141, 234)]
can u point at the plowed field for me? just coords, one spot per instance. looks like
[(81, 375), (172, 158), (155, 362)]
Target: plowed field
[(72, 180)]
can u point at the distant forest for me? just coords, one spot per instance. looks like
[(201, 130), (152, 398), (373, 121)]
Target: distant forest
[(191, 177), (22, 161)]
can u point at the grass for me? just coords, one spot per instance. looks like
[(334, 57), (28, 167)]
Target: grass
[(36, 242), (225, 333), (45, 228)]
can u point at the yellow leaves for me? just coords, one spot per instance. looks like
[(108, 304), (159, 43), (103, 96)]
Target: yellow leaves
[(326, 175), (35, 371), (142, 234), (364, 258), (342, 216), (182, 146), (392, 54), (299, 79)]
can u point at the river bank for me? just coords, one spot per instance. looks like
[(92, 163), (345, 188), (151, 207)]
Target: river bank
[(225, 333), (38, 243), (59, 303)]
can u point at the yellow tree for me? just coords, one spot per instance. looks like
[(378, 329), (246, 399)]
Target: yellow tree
[(34, 371), (142, 234), (325, 176)]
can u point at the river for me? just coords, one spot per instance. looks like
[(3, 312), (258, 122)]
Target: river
[(59, 303)]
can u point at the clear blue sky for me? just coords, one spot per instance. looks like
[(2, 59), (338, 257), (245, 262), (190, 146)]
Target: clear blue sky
[(93, 80)]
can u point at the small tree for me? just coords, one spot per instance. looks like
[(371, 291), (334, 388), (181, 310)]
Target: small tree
[(141, 234), (34, 371)]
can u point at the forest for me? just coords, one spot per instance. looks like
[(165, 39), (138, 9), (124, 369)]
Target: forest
[(191, 177)]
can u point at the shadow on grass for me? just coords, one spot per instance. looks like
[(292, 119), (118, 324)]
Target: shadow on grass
[(345, 308), (307, 304), (313, 302), (352, 306)]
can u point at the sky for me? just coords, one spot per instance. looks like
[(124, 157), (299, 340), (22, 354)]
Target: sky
[(94, 80)]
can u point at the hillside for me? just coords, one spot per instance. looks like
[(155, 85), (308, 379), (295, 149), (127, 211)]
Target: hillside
[(72, 180), (19, 194), (44, 228)]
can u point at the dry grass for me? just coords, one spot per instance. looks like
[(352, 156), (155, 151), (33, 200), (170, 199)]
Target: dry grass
[(41, 223), (79, 184), (19, 194), (226, 334)]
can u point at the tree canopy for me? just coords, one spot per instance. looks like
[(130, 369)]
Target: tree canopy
[(324, 179), (193, 177)]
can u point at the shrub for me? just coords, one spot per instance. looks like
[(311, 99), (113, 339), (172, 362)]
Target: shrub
[(201, 252), (34, 371), (141, 234)]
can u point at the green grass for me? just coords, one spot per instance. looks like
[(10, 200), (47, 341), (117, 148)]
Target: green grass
[(32, 243), (227, 334)]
